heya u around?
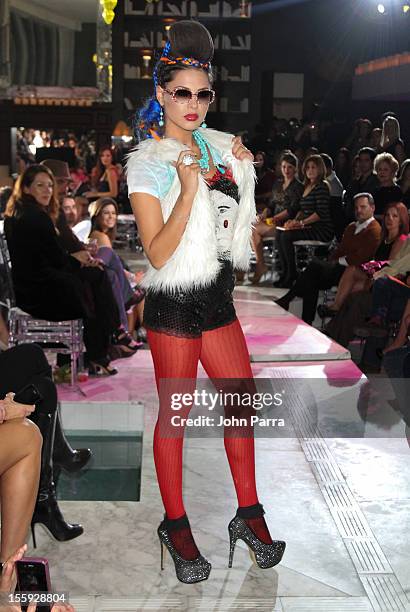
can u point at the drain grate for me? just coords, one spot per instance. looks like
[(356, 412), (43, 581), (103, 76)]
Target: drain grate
[(385, 593), (327, 472), (383, 590), (368, 557), (338, 495)]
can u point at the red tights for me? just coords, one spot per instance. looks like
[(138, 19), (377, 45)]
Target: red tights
[(223, 354)]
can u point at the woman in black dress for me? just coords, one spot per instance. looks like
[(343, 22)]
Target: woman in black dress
[(104, 176), (312, 221), (285, 197), (265, 181), (386, 167), (50, 284)]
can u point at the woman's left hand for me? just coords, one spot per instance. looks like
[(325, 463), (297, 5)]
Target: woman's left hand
[(293, 224), (8, 575), (239, 150), (14, 410)]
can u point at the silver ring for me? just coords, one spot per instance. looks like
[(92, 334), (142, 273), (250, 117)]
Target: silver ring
[(188, 159)]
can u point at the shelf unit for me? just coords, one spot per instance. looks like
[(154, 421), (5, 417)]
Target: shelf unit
[(139, 33)]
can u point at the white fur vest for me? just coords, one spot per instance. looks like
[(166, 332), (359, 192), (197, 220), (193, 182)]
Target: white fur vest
[(194, 262)]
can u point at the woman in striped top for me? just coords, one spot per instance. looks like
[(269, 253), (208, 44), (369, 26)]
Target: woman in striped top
[(312, 221)]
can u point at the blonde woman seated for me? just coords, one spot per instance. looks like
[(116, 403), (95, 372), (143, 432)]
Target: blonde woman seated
[(286, 194), (103, 214), (360, 278)]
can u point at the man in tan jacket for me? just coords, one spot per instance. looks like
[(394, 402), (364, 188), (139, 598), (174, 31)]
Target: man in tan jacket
[(358, 245)]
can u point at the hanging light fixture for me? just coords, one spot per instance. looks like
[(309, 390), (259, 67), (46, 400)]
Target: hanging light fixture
[(108, 10)]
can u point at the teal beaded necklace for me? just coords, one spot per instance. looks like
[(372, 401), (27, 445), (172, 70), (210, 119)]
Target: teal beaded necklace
[(204, 160)]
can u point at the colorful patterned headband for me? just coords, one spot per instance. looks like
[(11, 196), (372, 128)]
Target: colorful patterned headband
[(186, 61)]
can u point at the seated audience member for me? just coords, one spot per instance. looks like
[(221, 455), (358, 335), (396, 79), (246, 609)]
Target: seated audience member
[(357, 307), (356, 278), (82, 207), (366, 183), (265, 181), (104, 213), (399, 152), (389, 300), (123, 344), (48, 282), (360, 136), (335, 186), (390, 135), (285, 196), (386, 167), (69, 207), (375, 139), (104, 176), (355, 168), (312, 220), (336, 192), (20, 367), (67, 238), (20, 452), (343, 166), (388, 304), (78, 175), (359, 243), (404, 182)]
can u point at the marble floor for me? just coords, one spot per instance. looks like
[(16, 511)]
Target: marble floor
[(341, 503)]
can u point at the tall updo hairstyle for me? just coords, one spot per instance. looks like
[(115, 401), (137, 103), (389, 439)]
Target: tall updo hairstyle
[(186, 39)]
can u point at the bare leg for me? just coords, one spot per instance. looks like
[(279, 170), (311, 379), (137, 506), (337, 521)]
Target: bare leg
[(257, 245), (20, 452), (140, 311), (401, 337), (351, 276), (259, 232), (135, 315), (4, 332)]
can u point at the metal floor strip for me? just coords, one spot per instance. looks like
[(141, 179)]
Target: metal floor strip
[(210, 604), (382, 587), (135, 604), (325, 604)]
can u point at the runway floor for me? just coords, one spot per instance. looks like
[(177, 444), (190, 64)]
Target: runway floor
[(342, 503)]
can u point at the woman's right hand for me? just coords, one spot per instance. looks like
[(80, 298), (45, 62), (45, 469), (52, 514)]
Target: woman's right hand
[(14, 410), (263, 215), (188, 175)]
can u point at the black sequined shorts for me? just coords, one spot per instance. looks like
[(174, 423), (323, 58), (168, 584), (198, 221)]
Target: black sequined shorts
[(188, 313)]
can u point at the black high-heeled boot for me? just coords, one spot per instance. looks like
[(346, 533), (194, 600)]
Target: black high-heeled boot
[(262, 554), (46, 510), (66, 457)]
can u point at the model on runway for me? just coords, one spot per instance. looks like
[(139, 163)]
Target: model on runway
[(192, 193)]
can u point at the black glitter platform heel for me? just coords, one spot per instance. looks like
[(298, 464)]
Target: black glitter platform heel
[(263, 555), (186, 571)]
